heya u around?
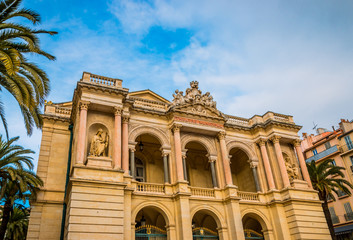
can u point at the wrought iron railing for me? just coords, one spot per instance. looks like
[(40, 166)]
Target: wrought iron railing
[(323, 154)]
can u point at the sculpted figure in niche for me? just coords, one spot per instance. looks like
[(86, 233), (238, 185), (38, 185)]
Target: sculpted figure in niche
[(292, 170), (99, 144)]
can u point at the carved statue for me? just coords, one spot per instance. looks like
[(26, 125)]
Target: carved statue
[(292, 170), (99, 144), (178, 97)]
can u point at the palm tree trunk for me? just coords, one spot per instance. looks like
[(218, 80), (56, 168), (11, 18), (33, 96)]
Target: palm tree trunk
[(328, 219), (5, 218)]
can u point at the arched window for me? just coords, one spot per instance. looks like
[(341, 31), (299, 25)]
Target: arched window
[(140, 170)]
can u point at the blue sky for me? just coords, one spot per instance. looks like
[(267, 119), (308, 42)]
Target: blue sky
[(291, 57)]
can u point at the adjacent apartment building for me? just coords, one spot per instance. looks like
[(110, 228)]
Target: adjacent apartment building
[(337, 145), (120, 164)]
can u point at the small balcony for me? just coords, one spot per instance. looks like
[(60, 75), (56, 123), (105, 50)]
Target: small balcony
[(323, 154), (346, 148), (348, 216), (335, 219)]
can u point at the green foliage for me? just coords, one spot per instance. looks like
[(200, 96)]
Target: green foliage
[(18, 224), (24, 80), (18, 184), (328, 178)]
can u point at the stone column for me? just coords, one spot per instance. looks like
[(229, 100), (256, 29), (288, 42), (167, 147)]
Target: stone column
[(80, 152), (132, 162), (225, 158), (267, 166), (212, 160), (253, 166), (125, 144), (177, 149), (302, 163), (117, 138), (165, 155), (282, 166), (183, 155)]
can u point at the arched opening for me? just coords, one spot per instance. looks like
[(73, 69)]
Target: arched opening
[(198, 166), (241, 172), (148, 165), (204, 226), (150, 224), (252, 228)]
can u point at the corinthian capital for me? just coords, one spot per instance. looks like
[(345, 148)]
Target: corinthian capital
[(118, 110), (222, 135), (275, 139), (296, 142), (84, 105), (261, 142), (176, 127)]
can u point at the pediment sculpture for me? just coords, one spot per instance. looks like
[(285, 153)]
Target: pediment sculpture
[(292, 170), (193, 95), (99, 144)]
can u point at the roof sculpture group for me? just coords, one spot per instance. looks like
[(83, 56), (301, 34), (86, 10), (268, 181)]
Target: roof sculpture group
[(193, 95)]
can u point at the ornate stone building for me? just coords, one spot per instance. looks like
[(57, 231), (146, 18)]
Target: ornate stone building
[(133, 165)]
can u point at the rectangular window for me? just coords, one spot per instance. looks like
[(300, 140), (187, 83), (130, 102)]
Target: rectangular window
[(341, 193), (333, 163), (314, 151), (347, 207), (348, 142), (349, 214), (351, 158), (334, 217), (327, 145)]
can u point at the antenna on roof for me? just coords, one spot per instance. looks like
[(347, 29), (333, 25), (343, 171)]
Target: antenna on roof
[(315, 126)]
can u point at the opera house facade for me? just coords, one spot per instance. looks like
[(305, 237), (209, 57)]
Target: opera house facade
[(133, 165)]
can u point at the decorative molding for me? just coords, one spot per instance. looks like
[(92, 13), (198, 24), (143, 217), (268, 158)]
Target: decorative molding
[(248, 149), (204, 141), (156, 132), (117, 110), (176, 127), (198, 122), (296, 142), (261, 142)]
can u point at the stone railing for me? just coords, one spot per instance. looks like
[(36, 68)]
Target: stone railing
[(202, 192), (237, 120), (149, 187), (149, 104), (100, 80), (281, 117), (249, 196), (62, 111), (54, 110)]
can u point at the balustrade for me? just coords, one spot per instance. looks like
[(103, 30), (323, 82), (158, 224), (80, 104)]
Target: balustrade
[(150, 187), (249, 196), (202, 192)]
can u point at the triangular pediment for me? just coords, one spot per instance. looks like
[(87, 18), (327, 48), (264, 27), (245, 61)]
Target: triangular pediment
[(148, 95)]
